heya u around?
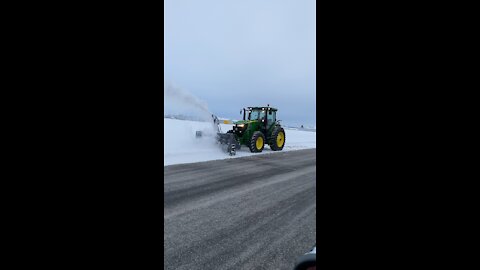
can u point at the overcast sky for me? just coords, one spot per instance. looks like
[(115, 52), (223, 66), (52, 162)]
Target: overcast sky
[(233, 54)]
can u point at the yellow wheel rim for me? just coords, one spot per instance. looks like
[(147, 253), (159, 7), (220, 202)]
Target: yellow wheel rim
[(280, 139), (259, 143)]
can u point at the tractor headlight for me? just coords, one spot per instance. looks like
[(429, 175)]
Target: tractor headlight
[(241, 125)]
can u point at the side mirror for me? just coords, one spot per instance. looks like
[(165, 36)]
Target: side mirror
[(240, 111), (308, 261)]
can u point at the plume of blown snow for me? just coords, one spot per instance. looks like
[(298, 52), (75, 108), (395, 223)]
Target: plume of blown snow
[(178, 101), (181, 104)]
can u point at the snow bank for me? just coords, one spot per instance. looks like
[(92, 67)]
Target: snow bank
[(181, 145)]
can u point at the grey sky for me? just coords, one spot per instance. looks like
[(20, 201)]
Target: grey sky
[(234, 54)]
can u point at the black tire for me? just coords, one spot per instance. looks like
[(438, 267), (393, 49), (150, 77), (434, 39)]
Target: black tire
[(257, 135), (273, 140)]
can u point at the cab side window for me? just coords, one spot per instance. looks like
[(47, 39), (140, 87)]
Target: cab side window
[(271, 117)]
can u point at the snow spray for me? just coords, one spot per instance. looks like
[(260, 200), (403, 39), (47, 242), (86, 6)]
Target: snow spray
[(180, 102), (184, 105)]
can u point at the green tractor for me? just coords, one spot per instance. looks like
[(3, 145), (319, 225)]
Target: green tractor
[(258, 127)]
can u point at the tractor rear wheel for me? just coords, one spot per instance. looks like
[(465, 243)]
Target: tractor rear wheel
[(277, 140), (257, 143)]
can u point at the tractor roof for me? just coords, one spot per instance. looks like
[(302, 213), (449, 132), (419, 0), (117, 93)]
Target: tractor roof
[(260, 108)]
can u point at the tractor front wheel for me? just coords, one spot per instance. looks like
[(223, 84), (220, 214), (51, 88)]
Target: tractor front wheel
[(257, 143), (277, 141)]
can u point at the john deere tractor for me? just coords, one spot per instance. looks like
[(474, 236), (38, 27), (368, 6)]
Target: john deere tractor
[(258, 127)]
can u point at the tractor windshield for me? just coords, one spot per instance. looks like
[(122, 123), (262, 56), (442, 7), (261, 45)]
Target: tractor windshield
[(253, 115)]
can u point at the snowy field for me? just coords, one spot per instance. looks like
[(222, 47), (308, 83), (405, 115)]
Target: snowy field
[(181, 145)]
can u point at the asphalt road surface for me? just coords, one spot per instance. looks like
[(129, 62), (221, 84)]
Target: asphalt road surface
[(256, 212)]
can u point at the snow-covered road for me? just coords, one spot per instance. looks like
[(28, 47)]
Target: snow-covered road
[(181, 145)]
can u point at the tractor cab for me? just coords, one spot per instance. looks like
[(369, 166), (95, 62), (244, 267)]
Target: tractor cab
[(261, 114), (265, 116)]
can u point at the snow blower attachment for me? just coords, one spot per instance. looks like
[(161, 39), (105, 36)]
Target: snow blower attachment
[(227, 140)]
